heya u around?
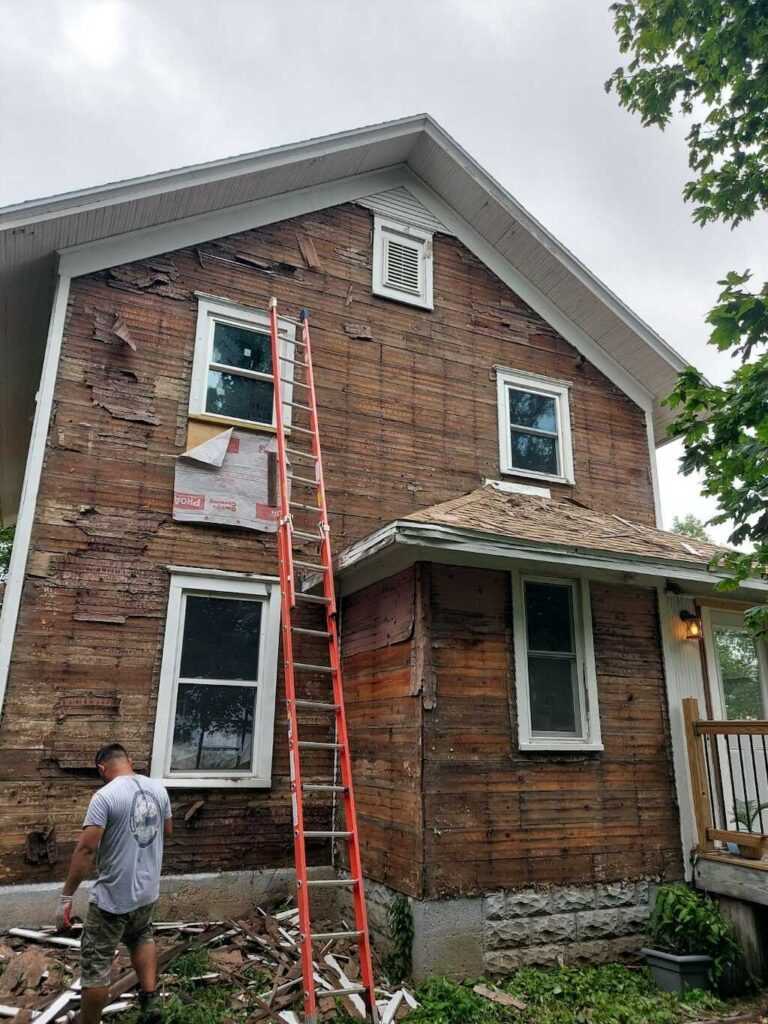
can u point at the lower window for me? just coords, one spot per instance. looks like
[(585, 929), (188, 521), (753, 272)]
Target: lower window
[(554, 664), (216, 701)]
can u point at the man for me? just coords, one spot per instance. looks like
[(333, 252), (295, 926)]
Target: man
[(123, 832)]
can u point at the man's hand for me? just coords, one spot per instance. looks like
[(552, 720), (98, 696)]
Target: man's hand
[(64, 914)]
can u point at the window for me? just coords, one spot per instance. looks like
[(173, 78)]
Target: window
[(232, 376), (402, 262), (534, 427), (216, 703), (555, 676), (738, 665)]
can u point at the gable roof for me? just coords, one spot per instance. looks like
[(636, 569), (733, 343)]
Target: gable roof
[(490, 526), (125, 220)]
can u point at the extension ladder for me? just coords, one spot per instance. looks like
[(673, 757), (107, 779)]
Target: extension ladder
[(306, 477)]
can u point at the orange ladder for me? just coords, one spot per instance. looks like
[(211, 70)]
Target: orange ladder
[(307, 479)]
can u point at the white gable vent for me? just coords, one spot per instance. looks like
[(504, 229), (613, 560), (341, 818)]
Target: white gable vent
[(402, 262)]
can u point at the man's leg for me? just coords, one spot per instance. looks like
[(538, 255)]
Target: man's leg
[(93, 1002), (144, 960), (141, 943), (101, 934)]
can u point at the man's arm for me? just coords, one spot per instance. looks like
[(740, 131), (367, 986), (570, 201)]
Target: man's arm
[(83, 858)]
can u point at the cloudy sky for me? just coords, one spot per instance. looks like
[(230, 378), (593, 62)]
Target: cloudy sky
[(96, 90)]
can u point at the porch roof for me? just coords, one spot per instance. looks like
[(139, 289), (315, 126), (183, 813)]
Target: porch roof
[(491, 526)]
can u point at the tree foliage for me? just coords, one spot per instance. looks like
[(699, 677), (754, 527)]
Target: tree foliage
[(709, 58), (6, 543), (691, 526)]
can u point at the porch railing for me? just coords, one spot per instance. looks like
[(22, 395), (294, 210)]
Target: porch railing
[(728, 764)]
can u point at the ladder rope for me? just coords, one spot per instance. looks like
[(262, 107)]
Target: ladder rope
[(290, 633)]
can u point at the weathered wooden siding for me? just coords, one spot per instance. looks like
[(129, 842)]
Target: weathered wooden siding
[(384, 719), (408, 417), (495, 817)]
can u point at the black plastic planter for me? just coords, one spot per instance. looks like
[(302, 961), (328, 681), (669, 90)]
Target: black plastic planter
[(678, 973)]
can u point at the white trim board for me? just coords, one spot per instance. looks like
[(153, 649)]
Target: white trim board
[(14, 583)]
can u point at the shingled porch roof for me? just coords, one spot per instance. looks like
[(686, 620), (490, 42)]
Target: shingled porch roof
[(490, 526)]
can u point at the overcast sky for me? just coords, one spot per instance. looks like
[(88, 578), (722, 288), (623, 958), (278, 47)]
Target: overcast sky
[(97, 90)]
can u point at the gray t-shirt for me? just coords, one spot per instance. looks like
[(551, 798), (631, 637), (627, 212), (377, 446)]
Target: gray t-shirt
[(132, 810)]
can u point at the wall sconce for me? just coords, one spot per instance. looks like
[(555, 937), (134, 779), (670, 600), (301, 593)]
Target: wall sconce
[(692, 624)]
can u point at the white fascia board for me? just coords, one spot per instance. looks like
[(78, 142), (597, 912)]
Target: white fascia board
[(14, 583), (65, 204), (651, 434), (574, 265), (544, 306), (434, 538), (137, 245)]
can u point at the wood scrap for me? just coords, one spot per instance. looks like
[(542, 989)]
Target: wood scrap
[(24, 972), (495, 995)]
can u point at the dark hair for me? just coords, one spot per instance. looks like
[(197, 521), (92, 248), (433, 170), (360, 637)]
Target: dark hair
[(110, 751)]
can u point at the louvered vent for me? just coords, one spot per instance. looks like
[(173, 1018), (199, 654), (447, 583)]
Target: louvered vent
[(401, 266)]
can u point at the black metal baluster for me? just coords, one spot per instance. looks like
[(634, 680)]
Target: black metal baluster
[(730, 776), (710, 782)]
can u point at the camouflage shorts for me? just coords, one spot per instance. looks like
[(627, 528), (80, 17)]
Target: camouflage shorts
[(102, 934)]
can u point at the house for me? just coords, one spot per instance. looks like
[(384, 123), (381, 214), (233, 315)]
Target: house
[(516, 663)]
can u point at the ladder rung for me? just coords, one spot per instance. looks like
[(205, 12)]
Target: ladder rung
[(302, 430), (311, 565), (295, 362), (336, 935), (353, 990), (310, 632), (312, 668), (315, 745), (327, 835), (297, 383), (304, 455), (318, 705), (303, 479), (297, 405), (323, 787), (332, 881), (314, 598), (307, 508), (307, 536)]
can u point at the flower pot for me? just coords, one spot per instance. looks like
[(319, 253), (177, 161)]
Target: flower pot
[(678, 973)]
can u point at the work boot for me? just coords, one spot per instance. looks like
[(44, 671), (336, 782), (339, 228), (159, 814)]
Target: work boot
[(150, 1008)]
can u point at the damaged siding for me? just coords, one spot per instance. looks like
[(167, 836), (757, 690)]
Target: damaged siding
[(408, 418)]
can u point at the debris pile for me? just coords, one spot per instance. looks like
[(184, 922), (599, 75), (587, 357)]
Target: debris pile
[(257, 962)]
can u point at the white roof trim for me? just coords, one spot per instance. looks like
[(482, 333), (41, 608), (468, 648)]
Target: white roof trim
[(438, 538)]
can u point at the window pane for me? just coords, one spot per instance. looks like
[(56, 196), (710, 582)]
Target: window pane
[(213, 728), (739, 672), (534, 452), (221, 639), (237, 346), (549, 617), (554, 695), (529, 410), (241, 397)]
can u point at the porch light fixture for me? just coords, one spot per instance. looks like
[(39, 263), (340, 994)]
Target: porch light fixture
[(692, 624)]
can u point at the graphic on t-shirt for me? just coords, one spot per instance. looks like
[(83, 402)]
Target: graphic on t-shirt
[(145, 817)]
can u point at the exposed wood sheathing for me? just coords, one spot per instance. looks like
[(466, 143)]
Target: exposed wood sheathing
[(494, 817), (407, 417)]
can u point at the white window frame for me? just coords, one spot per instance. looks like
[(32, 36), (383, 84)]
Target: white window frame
[(212, 309), (711, 618), (210, 582), (585, 667), (519, 380), (384, 228)]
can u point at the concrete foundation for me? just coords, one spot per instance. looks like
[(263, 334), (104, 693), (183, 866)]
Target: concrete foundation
[(210, 896)]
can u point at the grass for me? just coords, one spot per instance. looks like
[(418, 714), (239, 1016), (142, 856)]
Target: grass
[(612, 994)]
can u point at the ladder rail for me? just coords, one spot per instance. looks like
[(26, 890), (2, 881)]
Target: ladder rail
[(349, 833)]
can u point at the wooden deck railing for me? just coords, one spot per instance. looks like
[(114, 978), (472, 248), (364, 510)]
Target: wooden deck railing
[(728, 764)]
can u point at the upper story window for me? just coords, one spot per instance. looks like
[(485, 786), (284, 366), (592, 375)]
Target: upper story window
[(402, 262), (233, 377), (534, 427), (216, 703), (554, 664)]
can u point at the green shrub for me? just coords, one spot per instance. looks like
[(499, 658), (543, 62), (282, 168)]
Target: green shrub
[(397, 963), (685, 922)]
